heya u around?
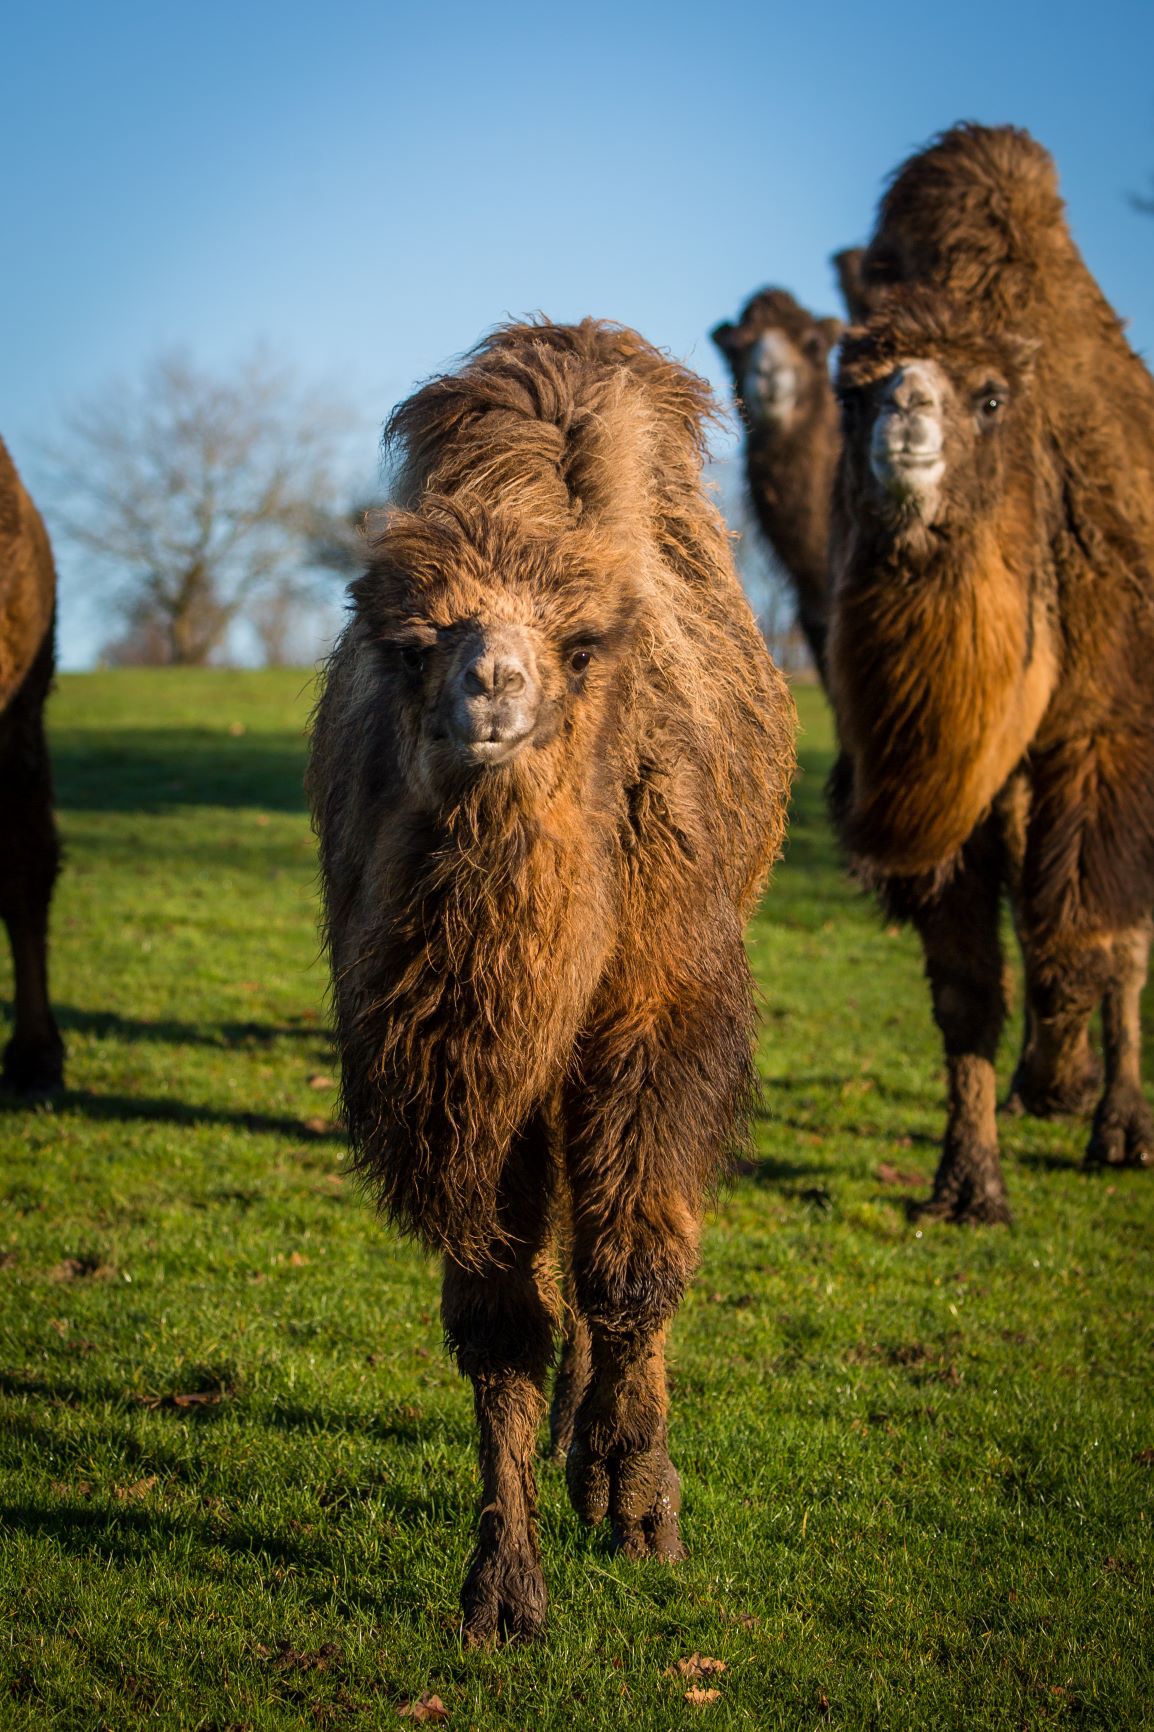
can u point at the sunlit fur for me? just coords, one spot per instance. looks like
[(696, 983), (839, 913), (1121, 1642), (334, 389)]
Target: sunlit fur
[(538, 972), (29, 853), (790, 456), (992, 666)]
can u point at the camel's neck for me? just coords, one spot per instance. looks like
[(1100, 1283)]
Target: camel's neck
[(790, 478), (942, 667)]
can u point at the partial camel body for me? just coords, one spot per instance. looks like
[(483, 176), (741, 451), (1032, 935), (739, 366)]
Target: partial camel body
[(992, 554), (549, 775), (779, 357), (29, 852)]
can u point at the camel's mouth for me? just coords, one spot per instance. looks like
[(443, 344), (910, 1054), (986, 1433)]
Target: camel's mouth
[(487, 754)]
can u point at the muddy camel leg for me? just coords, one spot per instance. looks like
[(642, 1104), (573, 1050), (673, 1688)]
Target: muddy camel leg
[(959, 932), (499, 1324), (647, 1121), (1123, 1132), (33, 1060)]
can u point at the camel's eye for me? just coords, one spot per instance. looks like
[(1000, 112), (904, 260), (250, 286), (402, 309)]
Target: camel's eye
[(579, 660), (413, 659), (991, 403)]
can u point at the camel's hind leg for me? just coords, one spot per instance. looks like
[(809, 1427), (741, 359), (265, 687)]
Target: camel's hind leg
[(569, 1385), (1123, 1133), (499, 1323), (33, 1060)]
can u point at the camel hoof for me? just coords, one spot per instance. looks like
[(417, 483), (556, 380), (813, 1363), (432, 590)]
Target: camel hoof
[(1123, 1132), (1071, 1097), (970, 1208), (33, 1070), (503, 1599)]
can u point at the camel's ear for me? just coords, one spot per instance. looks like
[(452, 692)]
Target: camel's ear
[(831, 330), (725, 336), (847, 268)]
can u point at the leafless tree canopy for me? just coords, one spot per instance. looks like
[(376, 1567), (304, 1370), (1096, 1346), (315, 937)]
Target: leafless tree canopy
[(199, 495)]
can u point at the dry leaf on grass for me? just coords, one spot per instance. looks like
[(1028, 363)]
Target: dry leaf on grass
[(424, 1708), (699, 1698), (139, 1488), (697, 1666), (183, 1398), (1145, 1458), (298, 1259), (895, 1176), (82, 1269), (320, 1081)]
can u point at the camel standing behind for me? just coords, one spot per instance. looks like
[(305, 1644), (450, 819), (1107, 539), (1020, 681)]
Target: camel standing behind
[(992, 635), (29, 852), (549, 774), (778, 355)]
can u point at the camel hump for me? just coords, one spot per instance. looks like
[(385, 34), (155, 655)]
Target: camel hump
[(27, 580)]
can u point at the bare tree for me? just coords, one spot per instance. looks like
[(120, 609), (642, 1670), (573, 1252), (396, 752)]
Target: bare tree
[(197, 495)]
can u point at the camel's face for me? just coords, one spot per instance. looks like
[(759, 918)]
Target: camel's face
[(486, 696), (779, 357), (497, 665), (772, 379), (931, 433)]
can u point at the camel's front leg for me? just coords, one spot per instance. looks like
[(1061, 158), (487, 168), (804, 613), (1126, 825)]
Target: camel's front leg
[(499, 1323), (958, 926)]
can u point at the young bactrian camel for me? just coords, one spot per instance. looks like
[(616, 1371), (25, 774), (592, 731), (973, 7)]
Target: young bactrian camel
[(549, 773), (992, 635), (29, 852)]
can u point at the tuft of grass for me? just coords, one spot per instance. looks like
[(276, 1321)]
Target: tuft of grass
[(238, 1481)]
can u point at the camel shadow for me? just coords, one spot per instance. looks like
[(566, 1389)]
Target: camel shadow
[(127, 1109), (142, 770), (110, 1025)]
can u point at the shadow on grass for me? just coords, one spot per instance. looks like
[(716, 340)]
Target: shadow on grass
[(141, 770), (1049, 1163), (109, 1025), (772, 1170), (127, 1109)]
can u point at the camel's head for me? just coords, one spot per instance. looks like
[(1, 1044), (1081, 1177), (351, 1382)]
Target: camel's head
[(495, 654), (779, 357), (933, 412)]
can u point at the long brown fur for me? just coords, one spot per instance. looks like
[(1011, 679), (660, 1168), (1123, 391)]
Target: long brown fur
[(992, 674), (29, 851), (538, 974)]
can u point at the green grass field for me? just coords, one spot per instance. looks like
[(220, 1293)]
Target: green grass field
[(918, 1467)]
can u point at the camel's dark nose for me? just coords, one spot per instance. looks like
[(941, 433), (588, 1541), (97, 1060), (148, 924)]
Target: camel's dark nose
[(493, 697)]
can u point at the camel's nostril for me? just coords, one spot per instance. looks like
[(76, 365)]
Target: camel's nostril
[(492, 677)]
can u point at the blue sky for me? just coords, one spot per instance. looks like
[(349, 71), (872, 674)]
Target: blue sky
[(365, 188)]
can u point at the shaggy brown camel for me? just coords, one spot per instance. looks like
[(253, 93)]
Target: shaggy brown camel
[(992, 630), (29, 852), (549, 775)]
